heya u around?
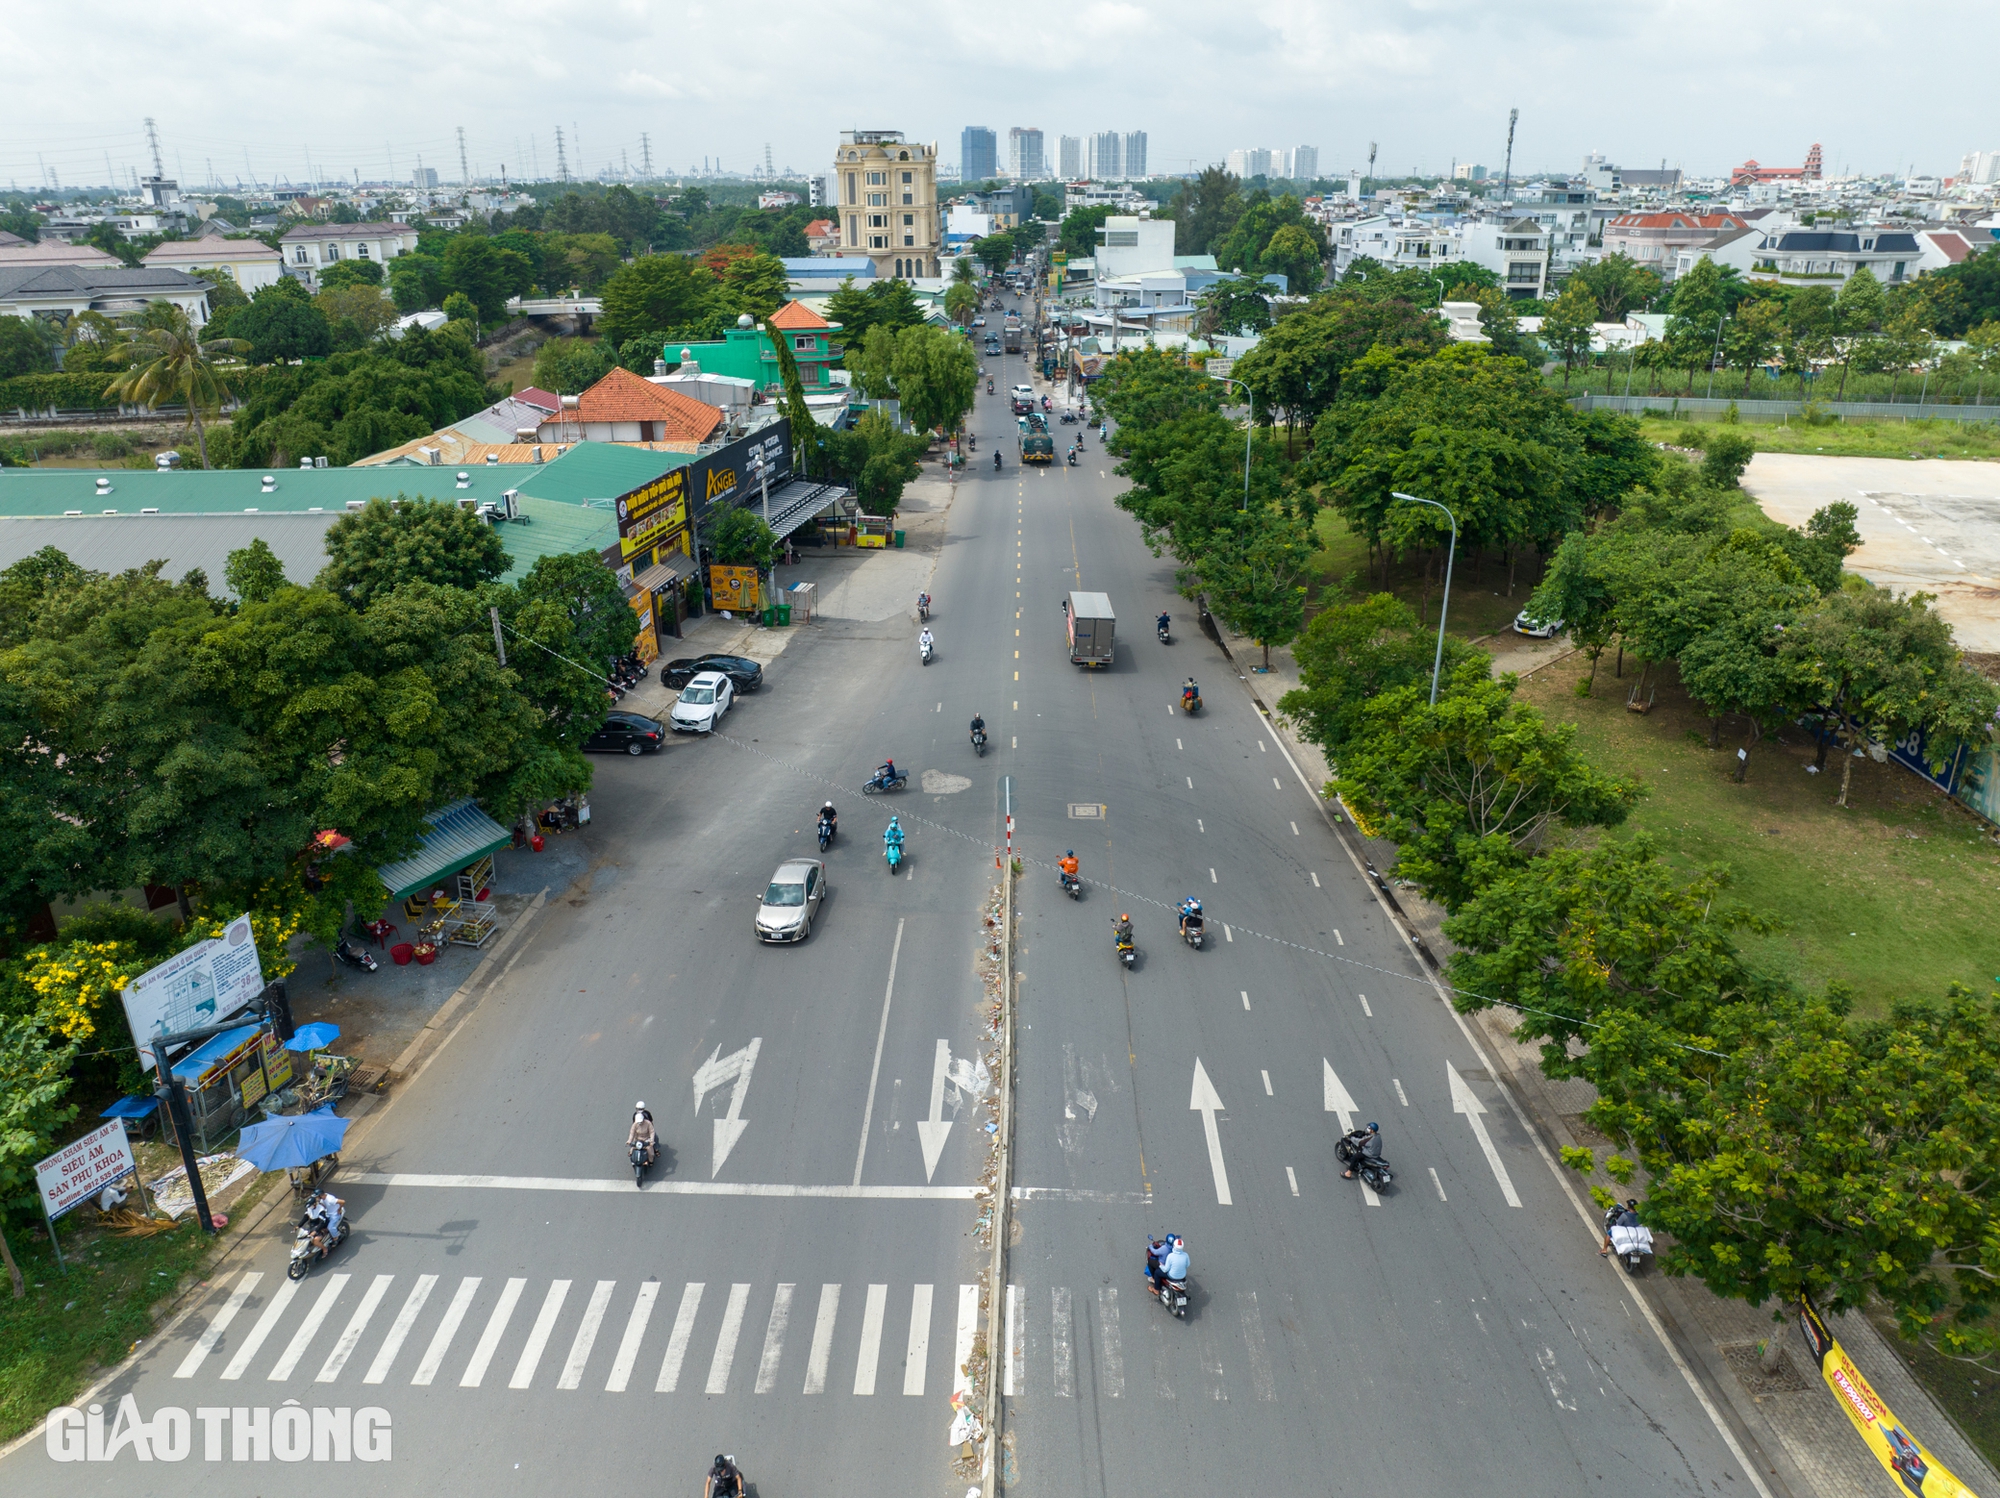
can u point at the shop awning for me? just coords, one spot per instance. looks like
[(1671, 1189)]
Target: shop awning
[(203, 1059), (458, 834), (677, 567), (796, 503)]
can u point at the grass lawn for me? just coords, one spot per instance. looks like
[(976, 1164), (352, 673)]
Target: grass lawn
[(1479, 601), (1856, 439), (1893, 895), (72, 1325)]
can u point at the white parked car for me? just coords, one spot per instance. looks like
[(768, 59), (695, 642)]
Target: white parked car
[(1535, 628), (703, 700)]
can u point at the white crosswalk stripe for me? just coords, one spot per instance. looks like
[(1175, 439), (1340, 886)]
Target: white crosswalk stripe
[(1079, 1350)]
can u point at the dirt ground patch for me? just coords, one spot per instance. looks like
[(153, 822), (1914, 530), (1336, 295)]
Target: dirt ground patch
[(1892, 895)]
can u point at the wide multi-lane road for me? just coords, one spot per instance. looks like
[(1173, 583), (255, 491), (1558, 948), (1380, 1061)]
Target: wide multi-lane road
[(800, 1287)]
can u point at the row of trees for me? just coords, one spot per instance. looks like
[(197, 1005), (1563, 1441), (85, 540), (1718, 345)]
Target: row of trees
[(162, 733)]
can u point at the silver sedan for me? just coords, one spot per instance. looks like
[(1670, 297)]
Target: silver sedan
[(785, 910)]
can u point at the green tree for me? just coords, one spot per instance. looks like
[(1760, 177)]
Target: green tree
[(281, 325), (1753, 336), (1619, 284), (34, 1080), (756, 284), (570, 366), (385, 544), (579, 261), (172, 362), (1294, 254), (355, 315), (254, 572), (995, 252), (1567, 326), (1079, 230), (850, 310), (965, 272), (1957, 298), (1700, 303), (655, 292), (1255, 578), (961, 300), (477, 268), (1472, 786), (1234, 306), (416, 282), (1354, 652), (1298, 365), (1726, 453), (877, 460), (1576, 591), (1205, 211), (1735, 608), (27, 346), (936, 376), (351, 273), (738, 537), (1860, 310), (458, 307)]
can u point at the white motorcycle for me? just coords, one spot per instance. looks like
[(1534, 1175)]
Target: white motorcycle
[(1633, 1243)]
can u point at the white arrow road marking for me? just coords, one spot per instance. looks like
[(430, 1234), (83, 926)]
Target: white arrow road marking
[(713, 1072), (1207, 1104), (1464, 1101), (932, 1131), (1342, 1107)]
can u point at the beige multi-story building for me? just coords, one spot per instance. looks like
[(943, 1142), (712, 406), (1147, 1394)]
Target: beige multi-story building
[(887, 194)]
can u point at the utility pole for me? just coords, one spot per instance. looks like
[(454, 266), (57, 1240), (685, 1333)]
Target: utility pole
[(562, 161), (464, 176), (645, 154), (1507, 173)]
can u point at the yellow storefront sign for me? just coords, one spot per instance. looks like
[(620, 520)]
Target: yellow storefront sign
[(659, 523), (735, 588)]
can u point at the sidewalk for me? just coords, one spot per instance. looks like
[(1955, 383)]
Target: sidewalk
[(1790, 1423)]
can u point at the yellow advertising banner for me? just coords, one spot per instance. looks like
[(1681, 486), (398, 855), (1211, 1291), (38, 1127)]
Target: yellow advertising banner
[(277, 1063), (1895, 1448), (658, 524), (646, 644), (734, 588)]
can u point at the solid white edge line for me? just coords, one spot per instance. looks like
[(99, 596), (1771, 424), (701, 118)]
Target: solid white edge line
[(668, 1188), (1715, 1416)]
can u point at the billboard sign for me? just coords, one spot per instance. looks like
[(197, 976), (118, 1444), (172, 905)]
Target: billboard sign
[(202, 986), (79, 1170)]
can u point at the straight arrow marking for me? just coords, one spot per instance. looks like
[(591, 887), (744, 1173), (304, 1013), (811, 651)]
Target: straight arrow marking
[(1341, 1106), (1464, 1100), (932, 1132), (1207, 1104), (713, 1072)]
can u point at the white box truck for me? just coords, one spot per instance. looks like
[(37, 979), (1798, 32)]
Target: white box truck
[(1092, 628)]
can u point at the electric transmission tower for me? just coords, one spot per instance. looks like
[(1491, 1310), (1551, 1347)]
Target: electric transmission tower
[(1507, 172), (645, 154), (769, 170), (562, 161), (464, 176), (153, 140)]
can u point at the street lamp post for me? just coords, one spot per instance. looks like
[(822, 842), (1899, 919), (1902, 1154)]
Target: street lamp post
[(1248, 426), (1437, 662)]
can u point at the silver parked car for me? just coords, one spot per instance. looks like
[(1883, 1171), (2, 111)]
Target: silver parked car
[(786, 909)]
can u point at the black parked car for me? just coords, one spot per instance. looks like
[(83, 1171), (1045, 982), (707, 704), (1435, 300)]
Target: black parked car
[(744, 674), (627, 733)]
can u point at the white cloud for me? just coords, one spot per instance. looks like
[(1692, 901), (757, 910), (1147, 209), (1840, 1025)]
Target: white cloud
[(371, 84)]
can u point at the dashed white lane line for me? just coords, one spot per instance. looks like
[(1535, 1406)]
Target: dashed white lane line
[(1277, 784), (1180, 746), (1292, 1180), (1364, 1005), (1190, 781), (1437, 1183), (1401, 1096), (1315, 878), (1211, 877), (1338, 939), (1246, 999), (1198, 827), (1227, 934), (1295, 829), (1266, 1075), (1260, 747)]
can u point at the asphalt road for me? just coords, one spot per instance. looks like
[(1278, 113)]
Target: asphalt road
[(794, 1289)]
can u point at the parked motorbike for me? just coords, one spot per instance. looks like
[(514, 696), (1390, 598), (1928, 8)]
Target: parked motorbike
[(979, 742), (307, 1252), (1373, 1171), (884, 783), (348, 955), (825, 832)]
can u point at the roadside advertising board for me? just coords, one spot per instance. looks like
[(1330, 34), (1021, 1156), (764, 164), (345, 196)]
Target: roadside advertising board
[(79, 1170), (202, 986)]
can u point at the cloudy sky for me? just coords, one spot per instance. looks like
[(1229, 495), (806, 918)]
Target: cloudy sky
[(370, 87)]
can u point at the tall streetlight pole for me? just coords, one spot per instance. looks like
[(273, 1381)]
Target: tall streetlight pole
[(1248, 426), (1438, 662)]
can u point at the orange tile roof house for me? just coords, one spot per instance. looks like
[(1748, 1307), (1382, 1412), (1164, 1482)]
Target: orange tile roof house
[(622, 407), (1654, 239)]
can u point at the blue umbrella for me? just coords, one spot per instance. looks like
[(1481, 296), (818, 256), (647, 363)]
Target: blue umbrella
[(292, 1139), (313, 1037)]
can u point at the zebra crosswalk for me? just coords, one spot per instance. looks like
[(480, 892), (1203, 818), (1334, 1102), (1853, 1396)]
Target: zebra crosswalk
[(572, 1335)]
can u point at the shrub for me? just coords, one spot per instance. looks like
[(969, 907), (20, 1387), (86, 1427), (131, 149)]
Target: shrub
[(1727, 454)]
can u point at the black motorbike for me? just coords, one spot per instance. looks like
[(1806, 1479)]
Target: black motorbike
[(348, 955), (1071, 885), (1166, 635), (310, 1247), (979, 742), (825, 832), (1373, 1169), (996, 462), (1191, 931), (884, 783), (642, 1160), (1127, 954)]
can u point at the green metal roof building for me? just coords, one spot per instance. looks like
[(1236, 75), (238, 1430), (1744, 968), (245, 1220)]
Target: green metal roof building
[(113, 519)]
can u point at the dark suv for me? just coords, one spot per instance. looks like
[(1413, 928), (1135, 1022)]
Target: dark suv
[(627, 733), (744, 674)]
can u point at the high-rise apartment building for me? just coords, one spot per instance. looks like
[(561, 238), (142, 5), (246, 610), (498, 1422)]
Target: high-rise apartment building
[(978, 154), (888, 201), (1256, 163), (1070, 158), (1024, 155), (1106, 157), (1135, 153), (1304, 163)]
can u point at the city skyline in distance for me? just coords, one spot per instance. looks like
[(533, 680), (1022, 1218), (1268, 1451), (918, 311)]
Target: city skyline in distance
[(1754, 85)]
